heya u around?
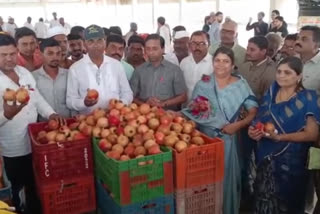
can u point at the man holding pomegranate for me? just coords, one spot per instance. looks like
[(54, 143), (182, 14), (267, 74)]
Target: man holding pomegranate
[(96, 79), (158, 82), (25, 104)]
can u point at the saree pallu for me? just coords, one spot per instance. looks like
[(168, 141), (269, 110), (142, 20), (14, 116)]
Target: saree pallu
[(280, 185), (225, 108)]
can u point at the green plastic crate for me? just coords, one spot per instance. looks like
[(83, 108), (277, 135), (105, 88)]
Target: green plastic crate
[(135, 180)]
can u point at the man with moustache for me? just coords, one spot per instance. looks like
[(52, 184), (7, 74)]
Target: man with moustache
[(51, 79), (115, 49), (180, 46), (307, 45), (135, 51), (199, 62), (76, 47), (288, 47)]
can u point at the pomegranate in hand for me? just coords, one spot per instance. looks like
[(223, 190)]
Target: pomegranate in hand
[(269, 129), (9, 96), (22, 95), (92, 94)]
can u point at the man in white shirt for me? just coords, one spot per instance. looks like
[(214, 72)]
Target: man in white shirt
[(10, 27), (66, 26), (41, 29), (14, 119), (180, 47), (164, 31), (28, 23), (199, 62), (99, 72), (54, 22)]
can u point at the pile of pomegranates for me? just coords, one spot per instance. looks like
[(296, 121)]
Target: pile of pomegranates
[(21, 96), (134, 131)]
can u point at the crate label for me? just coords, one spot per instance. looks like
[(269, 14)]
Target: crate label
[(46, 165), (86, 158)]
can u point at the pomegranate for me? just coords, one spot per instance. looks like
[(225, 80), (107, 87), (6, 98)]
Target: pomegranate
[(269, 128), (129, 150), (113, 155), (9, 96), (123, 140), (87, 130), (144, 108), (180, 146), (143, 129), (159, 112), (73, 133), (42, 137), (153, 123), (193, 124), (165, 120), (92, 94), (170, 140), (118, 148), (22, 95), (133, 106), (113, 102), (185, 137), (179, 120), (164, 129), (197, 140), (79, 136), (98, 113), (159, 136), (129, 131), (53, 125), (60, 137), (149, 143), (82, 125), (105, 145), (113, 130), (113, 120), (124, 158), (51, 136), (176, 127), (129, 116), (187, 128), (102, 122), (193, 146), (137, 140), (65, 130), (115, 113), (153, 150), (140, 150), (148, 135), (150, 115), (125, 110), (195, 133), (112, 138), (105, 133), (142, 119), (120, 130), (80, 117), (90, 120), (133, 123), (119, 105), (96, 132)]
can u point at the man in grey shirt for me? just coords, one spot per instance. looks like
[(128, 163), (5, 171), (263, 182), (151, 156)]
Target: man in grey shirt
[(51, 79), (158, 82)]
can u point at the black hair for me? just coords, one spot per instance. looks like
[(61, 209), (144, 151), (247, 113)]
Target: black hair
[(115, 30), (226, 51), (135, 39), (276, 12), (280, 18), (262, 13), (6, 40), (41, 20), (295, 64), (50, 42), (260, 41), (161, 20), (219, 13), (22, 32), (156, 37), (315, 31), (116, 39), (292, 37), (201, 33), (74, 37), (76, 30), (179, 28), (206, 18)]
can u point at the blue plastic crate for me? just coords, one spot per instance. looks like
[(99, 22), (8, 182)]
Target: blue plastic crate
[(106, 205)]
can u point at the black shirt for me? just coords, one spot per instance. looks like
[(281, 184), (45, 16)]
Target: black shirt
[(260, 29), (283, 30)]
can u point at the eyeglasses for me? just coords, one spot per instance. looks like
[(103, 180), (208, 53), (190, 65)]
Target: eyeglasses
[(201, 44)]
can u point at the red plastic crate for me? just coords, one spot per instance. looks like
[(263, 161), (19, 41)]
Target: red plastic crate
[(70, 196), (205, 199), (52, 162), (199, 166)]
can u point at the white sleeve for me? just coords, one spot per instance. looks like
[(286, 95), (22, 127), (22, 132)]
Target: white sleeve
[(126, 95), (74, 101)]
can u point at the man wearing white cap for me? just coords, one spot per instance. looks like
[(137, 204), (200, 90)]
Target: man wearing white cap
[(58, 33), (180, 46), (199, 62)]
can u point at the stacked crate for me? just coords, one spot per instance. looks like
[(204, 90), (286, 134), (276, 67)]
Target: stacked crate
[(63, 173), (141, 185), (198, 178)]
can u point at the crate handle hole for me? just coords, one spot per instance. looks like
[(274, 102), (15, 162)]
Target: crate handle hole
[(149, 206), (201, 191), (143, 163), (202, 152)]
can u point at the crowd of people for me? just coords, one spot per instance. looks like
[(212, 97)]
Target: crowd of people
[(273, 80)]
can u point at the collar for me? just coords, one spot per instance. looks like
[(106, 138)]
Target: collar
[(316, 58), (263, 61), (36, 61), (162, 63), (44, 73), (207, 58), (87, 59)]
